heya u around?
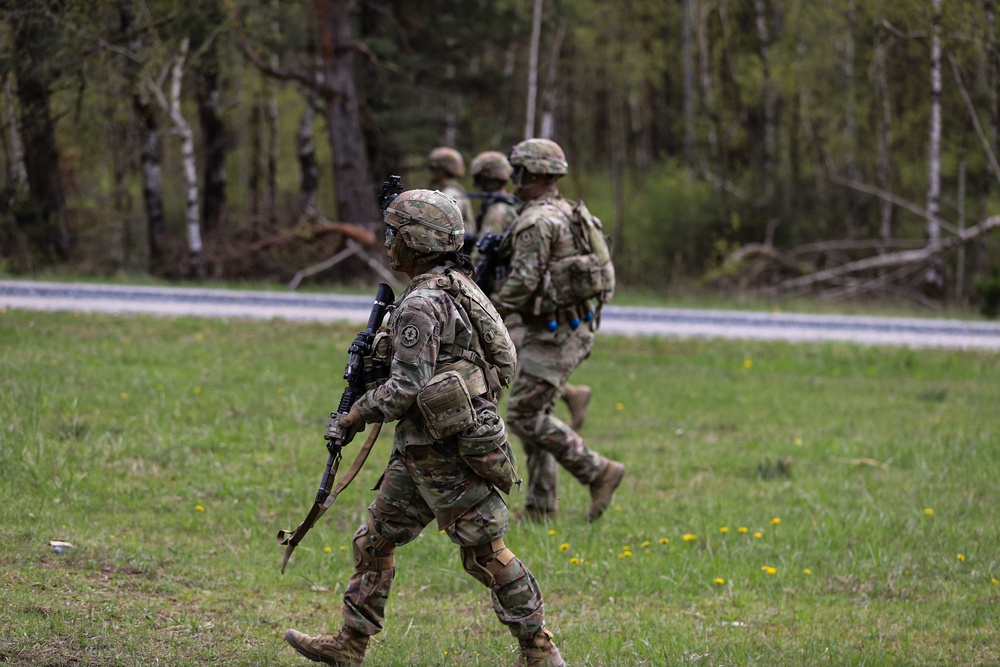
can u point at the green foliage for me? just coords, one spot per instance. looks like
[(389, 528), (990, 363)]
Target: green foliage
[(168, 452), (988, 290), (672, 228)]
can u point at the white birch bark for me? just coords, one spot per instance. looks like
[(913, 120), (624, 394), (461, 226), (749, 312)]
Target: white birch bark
[(934, 277), (690, 94), (18, 172), (183, 129), (934, 149), (884, 142)]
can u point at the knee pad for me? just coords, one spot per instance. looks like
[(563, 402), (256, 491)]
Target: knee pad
[(484, 562), (372, 552)]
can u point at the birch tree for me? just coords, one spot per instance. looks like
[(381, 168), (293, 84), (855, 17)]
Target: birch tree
[(934, 278)]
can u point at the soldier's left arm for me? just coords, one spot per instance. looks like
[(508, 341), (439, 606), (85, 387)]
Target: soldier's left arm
[(532, 248), (416, 341)]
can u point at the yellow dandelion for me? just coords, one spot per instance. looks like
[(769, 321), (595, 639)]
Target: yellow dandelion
[(798, 442), (664, 540), (45, 399), (775, 521), (626, 547), (688, 537), (551, 531), (619, 406), (995, 581), (159, 387), (742, 529), (769, 570), (441, 532), (758, 534), (343, 548), (124, 395), (748, 363), (197, 390), (327, 549), (199, 508), (928, 511), (961, 558), (281, 390), (644, 544), (625, 554), (112, 537), (720, 580), (807, 571), (564, 546), (724, 529), (574, 561)]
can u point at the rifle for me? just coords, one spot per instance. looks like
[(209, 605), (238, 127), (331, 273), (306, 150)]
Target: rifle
[(491, 270), (354, 373), (357, 375)]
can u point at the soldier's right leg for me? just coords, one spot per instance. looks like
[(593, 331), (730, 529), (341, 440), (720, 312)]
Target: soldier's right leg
[(526, 405), (396, 517)]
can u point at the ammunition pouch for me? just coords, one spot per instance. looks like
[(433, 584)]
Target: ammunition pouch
[(446, 405), (573, 280), (485, 448)]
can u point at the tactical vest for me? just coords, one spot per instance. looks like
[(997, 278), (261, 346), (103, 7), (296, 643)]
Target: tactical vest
[(492, 350)]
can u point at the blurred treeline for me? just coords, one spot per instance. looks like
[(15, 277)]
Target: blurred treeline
[(693, 127)]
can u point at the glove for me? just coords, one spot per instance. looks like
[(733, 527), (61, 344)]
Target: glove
[(344, 427)]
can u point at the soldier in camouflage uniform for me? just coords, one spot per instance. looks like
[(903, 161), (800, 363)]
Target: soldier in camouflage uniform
[(490, 172), (446, 166), (552, 347), (434, 471)]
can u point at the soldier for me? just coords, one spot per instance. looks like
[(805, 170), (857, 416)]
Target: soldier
[(446, 166), (490, 173), (548, 354), (450, 452)]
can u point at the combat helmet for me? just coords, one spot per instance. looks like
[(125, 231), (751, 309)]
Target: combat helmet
[(447, 160), (539, 156), (490, 166), (427, 221)]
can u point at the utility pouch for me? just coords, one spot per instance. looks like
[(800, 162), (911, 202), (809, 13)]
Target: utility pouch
[(446, 405), (485, 448), (574, 280)]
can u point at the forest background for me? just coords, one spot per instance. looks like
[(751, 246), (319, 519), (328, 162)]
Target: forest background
[(845, 147)]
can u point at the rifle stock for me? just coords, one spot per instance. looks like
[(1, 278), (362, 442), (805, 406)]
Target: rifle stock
[(336, 438)]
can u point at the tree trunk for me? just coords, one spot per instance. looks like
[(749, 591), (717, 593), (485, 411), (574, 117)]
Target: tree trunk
[(213, 138), (43, 219), (536, 32), (708, 100), (934, 277), (306, 150), (883, 144), (770, 121), (183, 128), (690, 88), (149, 143), (355, 191)]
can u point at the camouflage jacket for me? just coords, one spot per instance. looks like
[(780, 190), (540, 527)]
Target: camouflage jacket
[(541, 234), (424, 323), (498, 216)]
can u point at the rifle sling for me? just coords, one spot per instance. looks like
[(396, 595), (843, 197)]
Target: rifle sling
[(290, 540)]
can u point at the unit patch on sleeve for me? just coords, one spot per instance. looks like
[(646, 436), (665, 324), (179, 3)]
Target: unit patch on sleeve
[(409, 336)]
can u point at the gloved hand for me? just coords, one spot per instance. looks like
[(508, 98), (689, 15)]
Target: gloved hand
[(344, 427)]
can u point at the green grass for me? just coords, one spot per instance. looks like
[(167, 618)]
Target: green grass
[(170, 451)]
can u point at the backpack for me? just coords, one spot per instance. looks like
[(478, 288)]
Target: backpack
[(590, 274)]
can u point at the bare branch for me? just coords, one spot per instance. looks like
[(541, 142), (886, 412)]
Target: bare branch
[(890, 197), (975, 118), (897, 259)]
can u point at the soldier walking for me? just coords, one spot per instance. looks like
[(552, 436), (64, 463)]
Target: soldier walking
[(556, 340), (449, 356), (446, 166)]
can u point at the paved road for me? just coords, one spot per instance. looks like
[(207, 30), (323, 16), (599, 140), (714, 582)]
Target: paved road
[(683, 323)]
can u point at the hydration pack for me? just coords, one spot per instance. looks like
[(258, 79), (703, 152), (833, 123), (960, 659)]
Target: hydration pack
[(590, 274)]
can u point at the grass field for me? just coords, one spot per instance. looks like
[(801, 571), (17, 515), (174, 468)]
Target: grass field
[(784, 505)]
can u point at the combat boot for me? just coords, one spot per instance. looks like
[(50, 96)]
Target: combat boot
[(603, 488), (539, 651), (577, 399), (345, 649)]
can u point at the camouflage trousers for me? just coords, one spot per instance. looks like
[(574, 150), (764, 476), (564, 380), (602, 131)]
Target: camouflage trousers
[(423, 483), (545, 361)]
